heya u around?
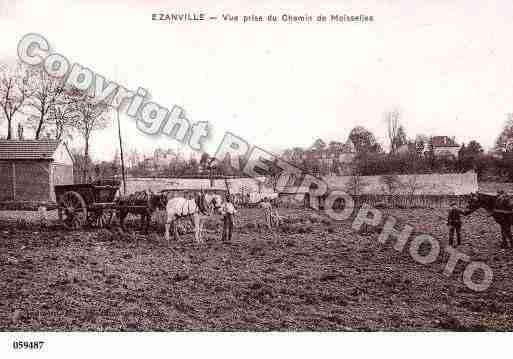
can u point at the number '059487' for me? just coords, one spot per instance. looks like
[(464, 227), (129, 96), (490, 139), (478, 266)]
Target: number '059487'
[(20, 344)]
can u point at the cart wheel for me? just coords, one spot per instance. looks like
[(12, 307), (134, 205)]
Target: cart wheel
[(99, 218), (72, 210)]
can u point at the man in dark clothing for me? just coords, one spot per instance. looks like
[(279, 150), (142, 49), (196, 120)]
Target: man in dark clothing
[(502, 214), (454, 223), (228, 211)]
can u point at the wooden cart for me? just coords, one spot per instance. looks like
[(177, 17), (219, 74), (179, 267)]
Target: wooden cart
[(86, 204)]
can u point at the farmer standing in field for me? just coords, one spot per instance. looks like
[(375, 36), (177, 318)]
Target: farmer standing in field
[(267, 207), (228, 211), (454, 223), (502, 214)]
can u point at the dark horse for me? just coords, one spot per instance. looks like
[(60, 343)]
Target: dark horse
[(504, 217), (141, 203)]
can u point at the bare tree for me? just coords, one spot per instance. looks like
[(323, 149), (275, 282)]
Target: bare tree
[(46, 93), (14, 91), (63, 118), (90, 118), (393, 125)]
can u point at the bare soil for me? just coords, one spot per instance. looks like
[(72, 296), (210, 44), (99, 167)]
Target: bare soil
[(314, 275)]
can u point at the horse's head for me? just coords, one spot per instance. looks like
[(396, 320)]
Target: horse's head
[(201, 201), (481, 200), (473, 202), (212, 202), (158, 201), (216, 203)]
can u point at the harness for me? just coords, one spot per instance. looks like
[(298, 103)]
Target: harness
[(139, 196), (185, 208)]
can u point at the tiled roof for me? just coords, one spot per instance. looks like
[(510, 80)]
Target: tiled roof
[(27, 149)]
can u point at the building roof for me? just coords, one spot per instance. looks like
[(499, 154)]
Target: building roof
[(27, 149), (444, 141)]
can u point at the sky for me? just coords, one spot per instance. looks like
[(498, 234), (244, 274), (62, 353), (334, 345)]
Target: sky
[(446, 65)]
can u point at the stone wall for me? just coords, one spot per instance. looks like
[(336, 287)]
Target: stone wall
[(435, 184), (235, 185)]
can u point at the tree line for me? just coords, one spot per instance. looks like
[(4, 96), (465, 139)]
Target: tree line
[(32, 98), (407, 155)]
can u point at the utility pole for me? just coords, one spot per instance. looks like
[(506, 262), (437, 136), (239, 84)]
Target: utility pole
[(121, 153), (120, 141)]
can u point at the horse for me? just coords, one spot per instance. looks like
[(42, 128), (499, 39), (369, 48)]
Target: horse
[(141, 203), (503, 217), (193, 208)]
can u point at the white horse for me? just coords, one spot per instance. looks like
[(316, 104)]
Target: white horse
[(194, 209), (214, 202)]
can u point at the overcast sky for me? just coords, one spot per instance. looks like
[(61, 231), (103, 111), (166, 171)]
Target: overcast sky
[(447, 65)]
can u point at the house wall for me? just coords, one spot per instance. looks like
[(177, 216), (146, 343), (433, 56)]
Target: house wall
[(62, 156), (25, 180), (6, 188), (61, 174), (32, 180)]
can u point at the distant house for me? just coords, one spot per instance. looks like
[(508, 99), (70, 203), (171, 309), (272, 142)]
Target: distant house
[(444, 146), (30, 168), (162, 158), (403, 149), (343, 154), (148, 164), (296, 194)]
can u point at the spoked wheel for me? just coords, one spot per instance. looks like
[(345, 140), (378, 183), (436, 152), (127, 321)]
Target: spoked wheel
[(100, 218), (72, 210)]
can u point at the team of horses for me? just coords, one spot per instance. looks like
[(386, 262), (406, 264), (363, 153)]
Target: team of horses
[(195, 208)]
